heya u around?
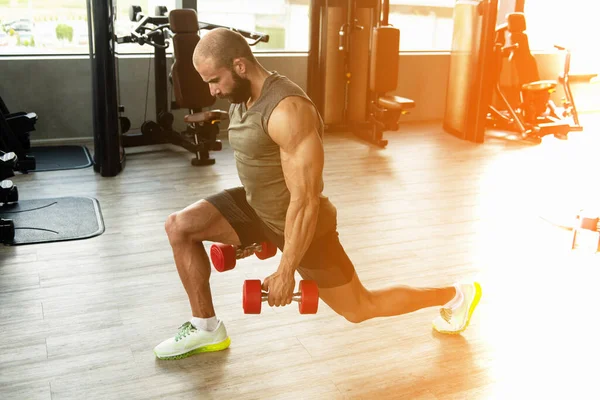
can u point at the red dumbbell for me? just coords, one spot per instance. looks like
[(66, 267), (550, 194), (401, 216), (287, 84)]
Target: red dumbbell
[(223, 256), (307, 298)]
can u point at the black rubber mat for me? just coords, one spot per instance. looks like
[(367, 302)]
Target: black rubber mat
[(54, 220), (54, 158)]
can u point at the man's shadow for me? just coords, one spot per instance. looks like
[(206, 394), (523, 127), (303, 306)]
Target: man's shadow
[(450, 372), (201, 370), (453, 370)]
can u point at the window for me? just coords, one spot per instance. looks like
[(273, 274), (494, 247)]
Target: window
[(425, 25), (43, 27), (286, 21), (61, 26), (570, 24)]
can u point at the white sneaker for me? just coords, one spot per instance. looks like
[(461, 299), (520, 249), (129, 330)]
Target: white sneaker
[(190, 341), (456, 314)]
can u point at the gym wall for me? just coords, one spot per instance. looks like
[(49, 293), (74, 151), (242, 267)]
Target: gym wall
[(60, 90)]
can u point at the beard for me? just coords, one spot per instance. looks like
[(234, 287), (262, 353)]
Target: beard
[(241, 91)]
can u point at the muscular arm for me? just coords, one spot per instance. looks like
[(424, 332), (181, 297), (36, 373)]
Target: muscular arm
[(294, 126)]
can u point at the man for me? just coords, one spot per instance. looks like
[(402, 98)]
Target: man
[(276, 132)]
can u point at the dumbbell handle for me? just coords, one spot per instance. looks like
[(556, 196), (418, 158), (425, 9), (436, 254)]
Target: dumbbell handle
[(243, 252), (295, 297)]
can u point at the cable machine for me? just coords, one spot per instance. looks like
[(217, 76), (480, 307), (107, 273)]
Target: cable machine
[(111, 126), (352, 64)]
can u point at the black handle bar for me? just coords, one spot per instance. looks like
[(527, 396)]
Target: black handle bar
[(162, 22), (139, 35)]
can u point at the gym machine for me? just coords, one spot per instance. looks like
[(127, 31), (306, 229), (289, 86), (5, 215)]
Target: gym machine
[(17, 144), (586, 232), (110, 124), (385, 110), (526, 100), (568, 102), (584, 229), (353, 63), (21, 123), (180, 27)]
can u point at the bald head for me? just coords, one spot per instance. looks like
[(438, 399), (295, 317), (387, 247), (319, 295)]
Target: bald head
[(222, 46)]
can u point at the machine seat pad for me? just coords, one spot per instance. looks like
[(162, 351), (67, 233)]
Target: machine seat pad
[(538, 86), (395, 102)]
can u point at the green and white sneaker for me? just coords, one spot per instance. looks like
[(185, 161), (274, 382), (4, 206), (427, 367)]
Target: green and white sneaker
[(190, 341), (455, 315)]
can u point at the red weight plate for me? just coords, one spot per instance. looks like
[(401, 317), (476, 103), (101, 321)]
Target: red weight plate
[(222, 256), (252, 296), (309, 297), (268, 251)]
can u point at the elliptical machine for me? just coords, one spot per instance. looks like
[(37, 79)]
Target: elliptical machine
[(180, 27), (528, 108)]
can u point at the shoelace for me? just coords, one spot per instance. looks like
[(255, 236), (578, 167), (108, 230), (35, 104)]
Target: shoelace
[(184, 330), (448, 312)]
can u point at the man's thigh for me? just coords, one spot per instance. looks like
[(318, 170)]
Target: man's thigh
[(327, 263), (232, 205), (329, 266), (203, 221)]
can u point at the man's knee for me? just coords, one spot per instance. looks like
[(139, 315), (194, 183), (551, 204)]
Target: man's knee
[(170, 224), (173, 226), (180, 226), (356, 316), (355, 310)]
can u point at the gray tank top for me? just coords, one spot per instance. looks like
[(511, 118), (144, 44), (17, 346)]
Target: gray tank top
[(258, 159)]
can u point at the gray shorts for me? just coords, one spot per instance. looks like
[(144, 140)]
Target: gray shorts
[(325, 261)]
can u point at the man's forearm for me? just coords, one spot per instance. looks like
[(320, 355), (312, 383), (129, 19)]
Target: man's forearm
[(300, 226)]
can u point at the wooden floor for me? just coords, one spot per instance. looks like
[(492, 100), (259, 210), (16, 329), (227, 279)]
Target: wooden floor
[(79, 320)]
